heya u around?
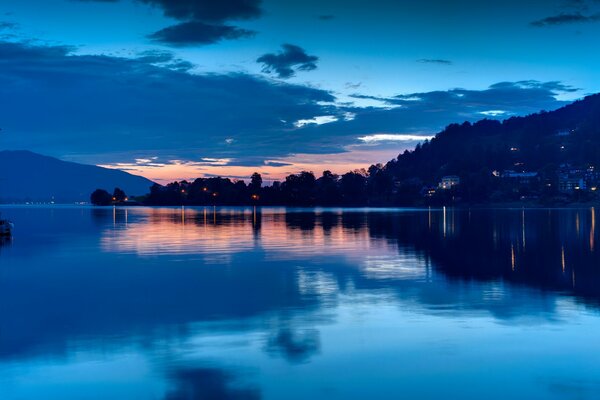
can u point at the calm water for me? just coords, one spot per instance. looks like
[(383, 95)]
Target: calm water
[(305, 304)]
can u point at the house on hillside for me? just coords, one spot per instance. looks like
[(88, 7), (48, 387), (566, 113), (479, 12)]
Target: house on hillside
[(571, 179), (449, 182), (523, 178)]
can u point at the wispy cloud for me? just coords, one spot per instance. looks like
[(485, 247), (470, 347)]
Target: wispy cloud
[(434, 61), (394, 137), (565, 19)]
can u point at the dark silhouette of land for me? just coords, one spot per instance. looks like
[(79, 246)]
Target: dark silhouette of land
[(544, 158), (27, 176)]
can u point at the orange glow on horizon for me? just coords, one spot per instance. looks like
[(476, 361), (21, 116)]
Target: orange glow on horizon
[(317, 163)]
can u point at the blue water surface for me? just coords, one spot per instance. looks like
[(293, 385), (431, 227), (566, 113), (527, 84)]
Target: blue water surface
[(274, 303)]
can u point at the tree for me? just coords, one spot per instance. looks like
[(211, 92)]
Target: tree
[(101, 197), (255, 183), (119, 195)]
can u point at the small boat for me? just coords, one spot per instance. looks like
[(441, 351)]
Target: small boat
[(6, 228)]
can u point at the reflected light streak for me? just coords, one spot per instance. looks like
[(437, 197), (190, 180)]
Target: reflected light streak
[(593, 229), (444, 222), (512, 257), (523, 227)]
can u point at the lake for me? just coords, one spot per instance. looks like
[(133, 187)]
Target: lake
[(242, 303)]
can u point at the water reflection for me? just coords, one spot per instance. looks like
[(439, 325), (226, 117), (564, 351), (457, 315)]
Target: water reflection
[(212, 303)]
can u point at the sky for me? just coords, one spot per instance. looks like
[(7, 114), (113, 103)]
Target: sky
[(177, 89)]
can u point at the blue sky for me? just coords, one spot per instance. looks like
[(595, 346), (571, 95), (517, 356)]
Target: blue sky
[(181, 88)]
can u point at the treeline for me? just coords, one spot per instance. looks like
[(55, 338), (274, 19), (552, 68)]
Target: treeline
[(355, 188), (479, 154), (101, 197)]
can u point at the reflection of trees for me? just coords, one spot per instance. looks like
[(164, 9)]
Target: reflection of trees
[(551, 250), (207, 384)]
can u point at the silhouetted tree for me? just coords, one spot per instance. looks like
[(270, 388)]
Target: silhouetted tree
[(101, 197), (119, 195)]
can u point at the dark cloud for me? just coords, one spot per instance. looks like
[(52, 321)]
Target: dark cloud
[(203, 10), (566, 18), (61, 103), (203, 21), (429, 112), (353, 85), (434, 61), (277, 164), (285, 63), (7, 25), (208, 10), (107, 109), (197, 32)]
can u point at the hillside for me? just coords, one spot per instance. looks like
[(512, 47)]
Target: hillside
[(27, 176), (533, 143), (492, 157)]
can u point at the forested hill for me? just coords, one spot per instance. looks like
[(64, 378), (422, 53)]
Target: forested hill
[(540, 142)]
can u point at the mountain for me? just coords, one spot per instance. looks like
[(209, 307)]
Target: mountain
[(27, 176)]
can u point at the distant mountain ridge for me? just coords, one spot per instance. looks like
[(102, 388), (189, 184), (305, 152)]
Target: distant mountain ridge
[(28, 176)]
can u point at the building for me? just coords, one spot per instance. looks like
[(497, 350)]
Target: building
[(449, 182), (569, 184), (571, 179), (523, 178)]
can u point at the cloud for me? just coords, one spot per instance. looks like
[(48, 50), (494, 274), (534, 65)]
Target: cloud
[(196, 32), (165, 59), (386, 137), (202, 21), (566, 18), (108, 110), (285, 63), (429, 112), (208, 10), (203, 10), (319, 120), (327, 17), (7, 25), (434, 61), (140, 107)]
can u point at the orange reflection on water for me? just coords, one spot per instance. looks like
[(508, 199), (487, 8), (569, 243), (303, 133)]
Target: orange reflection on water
[(225, 231)]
